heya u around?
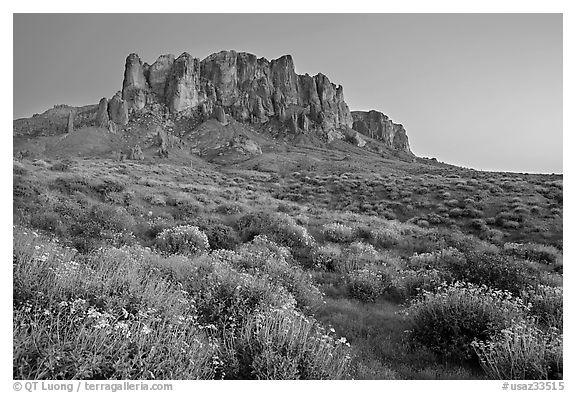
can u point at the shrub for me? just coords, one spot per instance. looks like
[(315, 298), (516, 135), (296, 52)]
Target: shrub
[(534, 252), (229, 208), (284, 344), (478, 223), (355, 257), (407, 284), (338, 233), (279, 227), (494, 270), (368, 284), (327, 257), (221, 236), (448, 321), (385, 237), (186, 208), (183, 239), (456, 212), (155, 200), (226, 296), (48, 221), (522, 351), (547, 305), (267, 260), (61, 166), (100, 222)]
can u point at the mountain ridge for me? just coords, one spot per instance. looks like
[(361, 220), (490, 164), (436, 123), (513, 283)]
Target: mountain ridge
[(258, 93)]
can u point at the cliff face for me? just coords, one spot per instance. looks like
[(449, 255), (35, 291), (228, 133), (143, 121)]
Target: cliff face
[(227, 83), (378, 126), (248, 88)]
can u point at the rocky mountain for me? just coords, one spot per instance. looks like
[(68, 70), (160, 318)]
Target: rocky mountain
[(228, 85), (378, 126)]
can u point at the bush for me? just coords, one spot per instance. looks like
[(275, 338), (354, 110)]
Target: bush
[(224, 296), (183, 239), (278, 227), (327, 257), (187, 208), (338, 233), (385, 237), (547, 305), (269, 261), (534, 252), (448, 321), (522, 351), (101, 222), (220, 236), (284, 344), (494, 270), (229, 208), (355, 257), (407, 284), (367, 284)]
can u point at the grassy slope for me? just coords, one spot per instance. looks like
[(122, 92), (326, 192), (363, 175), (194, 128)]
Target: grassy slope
[(316, 185)]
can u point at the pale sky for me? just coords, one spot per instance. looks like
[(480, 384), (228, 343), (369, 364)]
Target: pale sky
[(477, 90)]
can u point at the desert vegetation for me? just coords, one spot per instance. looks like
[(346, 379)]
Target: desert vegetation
[(148, 270)]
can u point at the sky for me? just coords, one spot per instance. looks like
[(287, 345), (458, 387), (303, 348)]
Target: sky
[(482, 91)]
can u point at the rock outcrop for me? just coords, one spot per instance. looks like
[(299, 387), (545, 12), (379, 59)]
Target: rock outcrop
[(378, 126), (70, 126), (182, 87), (247, 87), (245, 145), (226, 86), (220, 115), (158, 75), (135, 85), (102, 118), (118, 110)]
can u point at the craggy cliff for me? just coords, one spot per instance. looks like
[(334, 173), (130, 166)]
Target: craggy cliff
[(378, 126), (250, 89), (234, 84)]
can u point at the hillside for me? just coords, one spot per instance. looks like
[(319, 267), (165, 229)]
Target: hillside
[(227, 218)]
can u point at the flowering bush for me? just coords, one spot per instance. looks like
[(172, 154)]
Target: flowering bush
[(338, 233), (368, 284), (327, 257), (448, 320), (356, 255), (264, 258), (547, 305), (522, 351), (285, 344), (183, 239)]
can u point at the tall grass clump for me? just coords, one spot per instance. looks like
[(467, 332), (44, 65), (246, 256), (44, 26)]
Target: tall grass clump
[(285, 344), (183, 239), (449, 320), (522, 351)]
